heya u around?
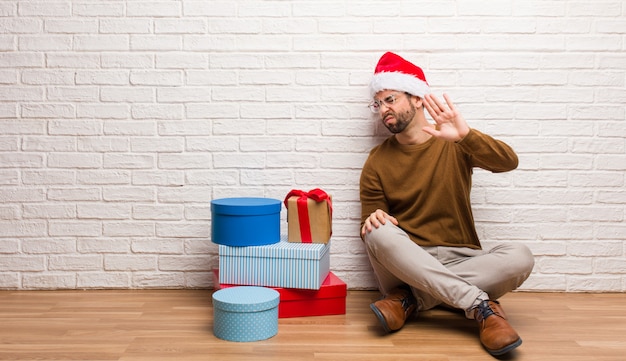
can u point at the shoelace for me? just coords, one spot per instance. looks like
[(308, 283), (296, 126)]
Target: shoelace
[(406, 303), (484, 309)]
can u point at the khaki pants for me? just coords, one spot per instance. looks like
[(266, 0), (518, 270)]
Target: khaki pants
[(454, 276)]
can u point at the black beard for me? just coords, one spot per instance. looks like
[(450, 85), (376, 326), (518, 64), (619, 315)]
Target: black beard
[(402, 120)]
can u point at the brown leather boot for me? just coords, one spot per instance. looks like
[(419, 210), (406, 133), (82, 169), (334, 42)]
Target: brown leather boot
[(496, 335), (393, 310)]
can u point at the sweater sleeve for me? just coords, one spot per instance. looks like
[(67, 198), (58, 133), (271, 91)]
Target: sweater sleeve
[(371, 192), (488, 153)]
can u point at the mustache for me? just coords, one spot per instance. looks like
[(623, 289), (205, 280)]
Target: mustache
[(388, 114)]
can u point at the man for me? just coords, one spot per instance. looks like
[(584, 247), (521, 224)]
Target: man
[(417, 222)]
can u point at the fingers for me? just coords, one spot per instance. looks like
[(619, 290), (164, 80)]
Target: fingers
[(375, 220), (429, 107), (449, 102), (436, 108)]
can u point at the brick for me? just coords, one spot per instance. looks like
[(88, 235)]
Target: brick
[(212, 177), (192, 127), (178, 263), (48, 246), (48, 177), (90, 9), (154, 8), (129, 263), (51, 281), (184, 195), (156, 42), (101, 42), (593, 284), (185, 161), (45, 43), (49, 211), (129, 161), (10, 280), (44, 8), (182, 60), (213, 9), (100, 280), (48, 111), (157, 111), (9, 177), (188, 230), (103, 111), (129, 194), (9, 246), (128, 229), (104, 177), (127, 60), (159, 280), (15, 263), (66, 93), (102, 77), (20, 195), (179, 95), (181, 26), (161, 178), (73, 61), (158, 145), (156, 78), (103, 211), (125, 26), (103, 245), (159, 246), (74, 160), (17, 93), (75, 229), (67, 26)]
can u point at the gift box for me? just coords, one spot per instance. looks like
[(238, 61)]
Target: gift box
[(330, 299), (309, 216), (245, 221), (245, 313), (283, 264)]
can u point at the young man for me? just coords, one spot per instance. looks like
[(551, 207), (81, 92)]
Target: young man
[(417, 222)]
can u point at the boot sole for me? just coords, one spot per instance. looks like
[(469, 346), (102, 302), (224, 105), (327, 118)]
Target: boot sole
[(381, 318), (506, 349)]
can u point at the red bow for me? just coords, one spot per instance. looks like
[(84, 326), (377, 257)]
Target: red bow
[(317, 195)]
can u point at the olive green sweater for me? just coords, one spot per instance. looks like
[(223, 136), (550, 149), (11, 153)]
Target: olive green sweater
[(427, 186)]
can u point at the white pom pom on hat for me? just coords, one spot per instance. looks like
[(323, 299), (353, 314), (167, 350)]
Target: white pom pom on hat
[(395, 73)]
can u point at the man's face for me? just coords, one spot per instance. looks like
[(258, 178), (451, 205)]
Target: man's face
[(395, 109)]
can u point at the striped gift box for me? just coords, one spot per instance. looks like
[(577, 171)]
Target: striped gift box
[(283, 264)]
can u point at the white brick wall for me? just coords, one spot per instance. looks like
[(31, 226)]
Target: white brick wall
[(121, 120)]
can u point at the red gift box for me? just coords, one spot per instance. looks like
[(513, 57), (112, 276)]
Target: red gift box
[(330, 299)]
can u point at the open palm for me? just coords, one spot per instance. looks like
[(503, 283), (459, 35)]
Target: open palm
[(450, 124)]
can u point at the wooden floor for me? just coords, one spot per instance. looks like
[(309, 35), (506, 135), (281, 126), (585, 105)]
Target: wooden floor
[(177, 325)]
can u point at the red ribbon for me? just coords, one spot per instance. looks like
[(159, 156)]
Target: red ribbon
[(317, 195)]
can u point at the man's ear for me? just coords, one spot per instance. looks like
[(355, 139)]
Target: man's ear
[(417, 101)]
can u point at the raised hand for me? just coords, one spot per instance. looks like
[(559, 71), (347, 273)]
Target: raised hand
[(451, 125)]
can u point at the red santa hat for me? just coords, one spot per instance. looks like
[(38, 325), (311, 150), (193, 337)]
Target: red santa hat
[(395, 73)]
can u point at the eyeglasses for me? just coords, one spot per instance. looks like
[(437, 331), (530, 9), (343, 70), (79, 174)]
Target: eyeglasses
[(388, 101)]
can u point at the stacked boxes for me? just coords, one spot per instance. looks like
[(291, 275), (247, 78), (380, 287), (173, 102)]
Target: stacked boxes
[(330, 299), (300, 272)]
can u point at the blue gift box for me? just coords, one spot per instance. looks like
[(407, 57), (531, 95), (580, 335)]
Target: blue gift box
[(283, 264), (245, 313), (245, 221)]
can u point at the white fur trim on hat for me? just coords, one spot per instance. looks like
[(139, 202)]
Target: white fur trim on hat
[(398, 81)]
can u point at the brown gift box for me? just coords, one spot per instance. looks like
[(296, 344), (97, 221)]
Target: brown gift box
[(309, 220)]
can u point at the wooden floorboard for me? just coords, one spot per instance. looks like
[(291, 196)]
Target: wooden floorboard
[(156, 325)]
